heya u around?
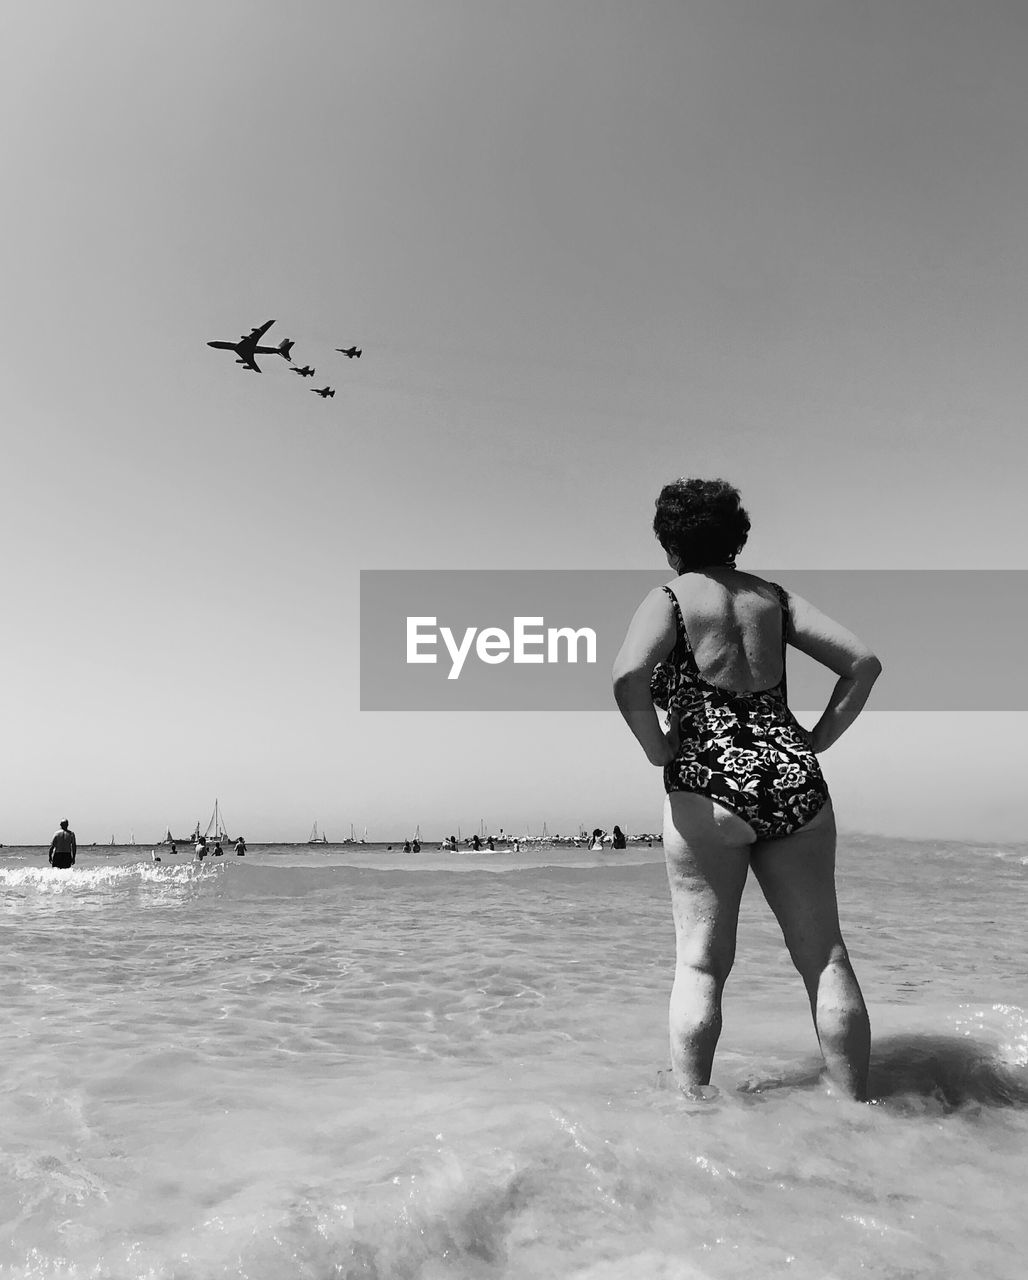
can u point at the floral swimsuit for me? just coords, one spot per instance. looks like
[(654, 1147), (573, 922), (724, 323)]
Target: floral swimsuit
[(745, 750)]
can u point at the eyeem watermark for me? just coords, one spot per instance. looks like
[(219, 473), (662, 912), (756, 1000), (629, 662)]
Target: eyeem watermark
[(493, 645), (546, 639)]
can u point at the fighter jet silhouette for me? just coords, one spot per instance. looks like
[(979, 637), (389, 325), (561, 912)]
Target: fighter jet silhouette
[(350, 351), (323, 391), (305, 372), (246, 348)]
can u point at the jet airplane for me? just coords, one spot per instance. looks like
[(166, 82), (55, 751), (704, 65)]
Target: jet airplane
[(350, 351), (306, 372), (246, 348), (323, 391)]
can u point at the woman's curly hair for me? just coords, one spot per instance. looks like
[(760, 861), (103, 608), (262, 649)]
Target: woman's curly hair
[(701, 521)]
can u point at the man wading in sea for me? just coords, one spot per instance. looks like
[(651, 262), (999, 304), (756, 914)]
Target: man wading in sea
[(63, 847)]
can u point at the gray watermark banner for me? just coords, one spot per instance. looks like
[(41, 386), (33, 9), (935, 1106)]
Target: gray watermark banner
[(545, 640)]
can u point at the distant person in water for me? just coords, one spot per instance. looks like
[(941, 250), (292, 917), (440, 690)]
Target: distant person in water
[(201, 848), (218, 850), (240, 848), (416, 846), (476, 844), (154, 855), (173, 849), (491, 845), (63, 847), (406, 846), (618, 840), (597, 841), (744, 784)]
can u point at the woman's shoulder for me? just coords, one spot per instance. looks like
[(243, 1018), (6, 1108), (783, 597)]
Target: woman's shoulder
[(660, 603), (734, 582)]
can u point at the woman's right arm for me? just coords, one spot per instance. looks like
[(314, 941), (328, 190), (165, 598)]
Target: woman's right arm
[(827, 642), (650, 637)]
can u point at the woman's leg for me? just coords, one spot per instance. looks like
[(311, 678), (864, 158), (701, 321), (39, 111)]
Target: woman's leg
[(707, 849), (797, 875)]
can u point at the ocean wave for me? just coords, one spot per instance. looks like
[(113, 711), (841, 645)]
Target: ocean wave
[(982, 1063), (1005, 1025), (983, 1067), (77, 880)]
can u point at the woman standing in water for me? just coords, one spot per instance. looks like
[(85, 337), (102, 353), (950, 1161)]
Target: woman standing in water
[(744, 787)]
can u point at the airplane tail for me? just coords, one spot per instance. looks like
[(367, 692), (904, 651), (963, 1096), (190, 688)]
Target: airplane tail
[(284, 348)]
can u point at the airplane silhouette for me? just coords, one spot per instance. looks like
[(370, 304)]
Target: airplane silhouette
[(305, 372), (350, 351), (323, 391), (246, 348)]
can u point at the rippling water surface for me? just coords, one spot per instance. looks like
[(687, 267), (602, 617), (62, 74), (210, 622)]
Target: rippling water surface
[(358, 1064)]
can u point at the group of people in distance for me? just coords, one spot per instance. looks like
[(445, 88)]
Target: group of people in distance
[(202, 851), (617, 839), (64, 848), (475, 843), (450, 844)]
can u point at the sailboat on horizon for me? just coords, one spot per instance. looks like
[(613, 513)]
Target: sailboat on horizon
[(216, 827), (215, 830), (314, 838)]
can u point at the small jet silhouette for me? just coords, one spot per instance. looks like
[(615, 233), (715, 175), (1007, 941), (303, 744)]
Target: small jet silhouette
[(350, 351), (246, 348), (305, 372), (323, 391)]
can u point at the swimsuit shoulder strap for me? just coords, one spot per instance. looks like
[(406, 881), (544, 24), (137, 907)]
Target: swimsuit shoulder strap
[(783, 600), (682, 644), (679, 620)]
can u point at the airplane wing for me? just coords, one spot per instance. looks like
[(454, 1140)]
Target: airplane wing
[(256, 334), (248, 362)]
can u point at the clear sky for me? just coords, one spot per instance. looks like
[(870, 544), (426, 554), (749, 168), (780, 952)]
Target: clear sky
[(586, 247)]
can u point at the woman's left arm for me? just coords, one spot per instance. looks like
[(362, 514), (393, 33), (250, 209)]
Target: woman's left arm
[(650, 638)]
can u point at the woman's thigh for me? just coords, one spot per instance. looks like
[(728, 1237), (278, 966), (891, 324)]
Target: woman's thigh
[(797, 876), (707, 850)]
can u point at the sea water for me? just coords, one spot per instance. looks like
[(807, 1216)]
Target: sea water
[(357, 1063)]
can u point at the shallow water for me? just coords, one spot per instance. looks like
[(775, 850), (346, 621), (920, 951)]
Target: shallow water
[(353, 1063)]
